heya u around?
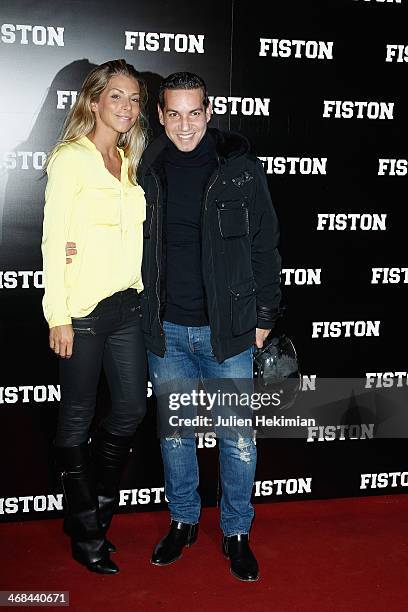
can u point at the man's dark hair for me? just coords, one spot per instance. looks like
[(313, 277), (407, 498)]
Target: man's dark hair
[(183, 80)]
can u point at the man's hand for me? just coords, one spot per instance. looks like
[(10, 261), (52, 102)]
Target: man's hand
[(70, 249), (261, 336), (61, 340)]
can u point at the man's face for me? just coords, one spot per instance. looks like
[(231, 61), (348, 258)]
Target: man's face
[(184, 117)]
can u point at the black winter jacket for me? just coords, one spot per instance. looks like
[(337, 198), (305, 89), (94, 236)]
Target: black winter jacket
[(240, 259)]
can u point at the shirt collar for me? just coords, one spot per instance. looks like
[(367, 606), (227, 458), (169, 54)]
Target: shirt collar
[(90, 145)]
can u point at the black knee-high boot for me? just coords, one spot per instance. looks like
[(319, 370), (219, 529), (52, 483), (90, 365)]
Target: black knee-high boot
[(110, 455), (87, 536)]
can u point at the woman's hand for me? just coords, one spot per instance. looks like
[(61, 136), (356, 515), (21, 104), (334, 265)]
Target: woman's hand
[(62, 340), (70, 249)]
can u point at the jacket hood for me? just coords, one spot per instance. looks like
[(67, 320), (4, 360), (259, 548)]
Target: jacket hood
[(229, 145)]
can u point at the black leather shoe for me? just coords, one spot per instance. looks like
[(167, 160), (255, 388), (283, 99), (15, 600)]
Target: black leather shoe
[(102, 566), (88, 545), (244, 566), (170, 548)]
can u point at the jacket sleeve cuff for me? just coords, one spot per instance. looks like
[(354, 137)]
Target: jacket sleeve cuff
[(267, 317)]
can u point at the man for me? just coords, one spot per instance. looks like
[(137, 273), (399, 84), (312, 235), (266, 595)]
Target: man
[(211, 276), (211, 290)]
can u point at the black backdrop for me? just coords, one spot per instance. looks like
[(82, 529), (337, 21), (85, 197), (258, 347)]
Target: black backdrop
[(318, 164)]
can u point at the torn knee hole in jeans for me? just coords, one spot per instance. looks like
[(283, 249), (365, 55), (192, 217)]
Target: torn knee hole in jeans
[(175, 439), (244, 447)]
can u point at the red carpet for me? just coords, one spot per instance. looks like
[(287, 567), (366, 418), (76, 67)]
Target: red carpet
[(349, 554)]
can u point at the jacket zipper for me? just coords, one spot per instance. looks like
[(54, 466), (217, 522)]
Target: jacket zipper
[(157, 259), (204, 208), (211, 186), (85, 329)]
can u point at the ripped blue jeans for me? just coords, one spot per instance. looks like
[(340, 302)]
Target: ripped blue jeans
[(189, 356)]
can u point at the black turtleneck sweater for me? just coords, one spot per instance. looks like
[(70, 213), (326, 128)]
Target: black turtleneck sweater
[(187, 175)]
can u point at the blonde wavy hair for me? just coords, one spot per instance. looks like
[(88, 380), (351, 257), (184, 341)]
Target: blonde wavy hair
[(80, 120)]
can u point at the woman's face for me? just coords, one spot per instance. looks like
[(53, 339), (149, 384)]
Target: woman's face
[(118, 106)]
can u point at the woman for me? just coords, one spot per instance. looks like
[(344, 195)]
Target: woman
[(92, 306)]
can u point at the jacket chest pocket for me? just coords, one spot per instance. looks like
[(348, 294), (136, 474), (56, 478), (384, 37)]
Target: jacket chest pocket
[(233, 218)]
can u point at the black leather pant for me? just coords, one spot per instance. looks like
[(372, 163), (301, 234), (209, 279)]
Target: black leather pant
[(109, 337)]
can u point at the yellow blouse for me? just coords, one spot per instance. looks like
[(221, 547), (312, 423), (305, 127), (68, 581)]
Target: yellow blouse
[(86, 204)]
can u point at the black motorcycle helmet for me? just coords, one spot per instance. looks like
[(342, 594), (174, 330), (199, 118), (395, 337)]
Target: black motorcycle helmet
[(276, 369)]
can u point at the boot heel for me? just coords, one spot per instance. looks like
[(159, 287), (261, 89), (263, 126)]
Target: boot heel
[(193, 537)]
